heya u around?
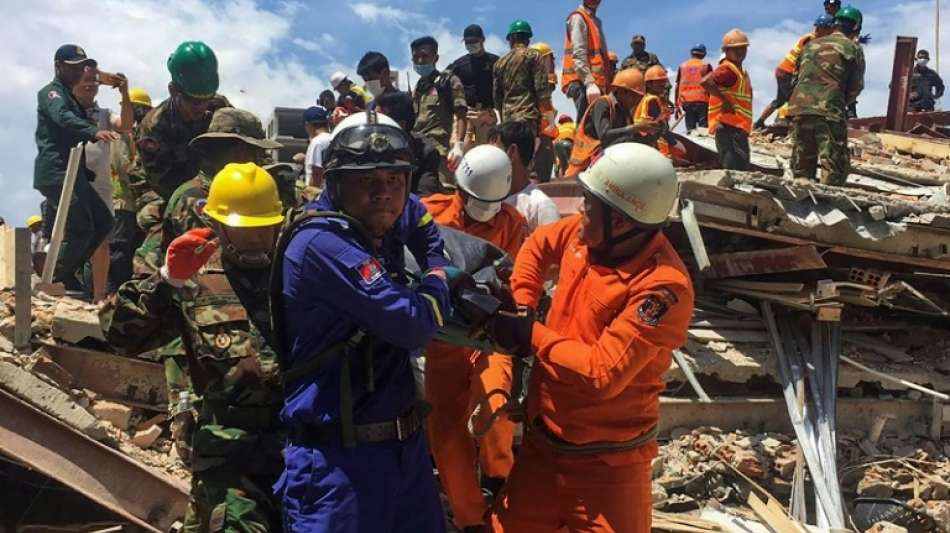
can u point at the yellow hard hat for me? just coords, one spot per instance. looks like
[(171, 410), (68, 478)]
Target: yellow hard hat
[(33, 220), (735, 38), (656, 73), (244, 195), (138, 95), (544, 48), (630, 79)]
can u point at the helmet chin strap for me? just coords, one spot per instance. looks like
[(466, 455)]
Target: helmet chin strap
[(601, 253)]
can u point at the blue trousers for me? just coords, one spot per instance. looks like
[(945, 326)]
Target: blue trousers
[(371, 488)]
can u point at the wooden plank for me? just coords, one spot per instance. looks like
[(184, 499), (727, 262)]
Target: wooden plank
[(764, 286), (914, 145), (62, 213), (728, 335), (777, 522), (24, 291), (7, 258), (771, 261)]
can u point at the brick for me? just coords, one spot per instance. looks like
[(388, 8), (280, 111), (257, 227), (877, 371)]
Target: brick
[(114, 413), (146, 438)]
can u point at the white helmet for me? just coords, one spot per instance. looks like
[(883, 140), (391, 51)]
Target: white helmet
[(368, 140), (485, 176), (337, 78), (636, 180)]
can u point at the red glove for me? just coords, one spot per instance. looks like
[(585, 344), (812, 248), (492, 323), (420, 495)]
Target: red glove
[(188, 253)]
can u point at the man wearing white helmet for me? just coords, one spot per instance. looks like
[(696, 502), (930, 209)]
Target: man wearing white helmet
[(458, 378), (623, 302), (346, 325), (342, 85)]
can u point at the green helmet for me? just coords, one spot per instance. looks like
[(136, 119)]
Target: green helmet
[(520, 26), (194, 69), (850, 13)]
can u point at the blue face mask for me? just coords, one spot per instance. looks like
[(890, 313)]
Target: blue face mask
[(424, 70)]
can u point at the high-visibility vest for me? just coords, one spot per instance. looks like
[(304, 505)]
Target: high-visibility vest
[(596, 56), (585, 146), (690, 88), (642, 113), (740, 95), (790, 63), (566, 131)]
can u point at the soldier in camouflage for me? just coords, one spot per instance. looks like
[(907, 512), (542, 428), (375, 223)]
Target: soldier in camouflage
[(523, 92), (215, 297), (165, 158), (441, 111), (830, 78)]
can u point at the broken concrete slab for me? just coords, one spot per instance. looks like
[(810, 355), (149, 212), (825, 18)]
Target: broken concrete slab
[(41, 364), (146, 438), (50, 399), (73, 323)]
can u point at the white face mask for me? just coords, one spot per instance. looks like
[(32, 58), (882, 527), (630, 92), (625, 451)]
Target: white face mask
[(922, 62), (481, 211), (474, 48), (375, 87)]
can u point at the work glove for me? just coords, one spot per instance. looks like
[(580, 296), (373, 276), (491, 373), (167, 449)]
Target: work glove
[(512, 332), (454, 159), (187, 254), (453, 276), (593, 93)]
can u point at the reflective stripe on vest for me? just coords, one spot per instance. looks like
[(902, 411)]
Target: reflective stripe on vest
[(642, 113), (596, 56), (790, 63), (690, 88), (585, 146), (740, 95)]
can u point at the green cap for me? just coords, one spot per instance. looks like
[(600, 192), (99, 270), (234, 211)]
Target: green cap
[(850, 13), (520, 26), (232, 123), (194, 69)]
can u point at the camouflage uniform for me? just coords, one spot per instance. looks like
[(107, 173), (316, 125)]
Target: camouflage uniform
[(222, 317), (642, 63), (830, 77), (521, 83), (165, 162), (436, 101)]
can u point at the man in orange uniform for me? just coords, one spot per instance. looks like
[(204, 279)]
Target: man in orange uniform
[(610, 120), (456, 378), (623, 302), (691, 99), (786, 70), (587, 70), (730, 103)]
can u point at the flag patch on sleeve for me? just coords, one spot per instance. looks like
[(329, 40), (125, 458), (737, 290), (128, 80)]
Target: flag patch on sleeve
[(370, 270)]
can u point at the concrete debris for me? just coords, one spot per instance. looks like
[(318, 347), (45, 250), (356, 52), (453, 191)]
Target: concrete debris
[(147, 437), (886, 527), (74, 322), (114, 413)]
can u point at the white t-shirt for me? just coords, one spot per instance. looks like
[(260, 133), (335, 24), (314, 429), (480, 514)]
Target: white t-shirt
[(99, 156), (315, 153), (535, 206)]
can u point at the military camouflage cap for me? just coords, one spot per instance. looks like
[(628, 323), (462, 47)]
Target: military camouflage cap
[(232, 123)]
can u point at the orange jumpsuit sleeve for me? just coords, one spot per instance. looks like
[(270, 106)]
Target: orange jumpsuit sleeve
[(654, 321), (541, 250)]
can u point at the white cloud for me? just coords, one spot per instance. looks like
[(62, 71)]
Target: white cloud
[(373, 12), (133, 40)]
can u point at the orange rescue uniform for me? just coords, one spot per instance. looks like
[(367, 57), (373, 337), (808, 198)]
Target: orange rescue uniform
[(600, 359), (789, 64), (690, 90), (457, 378), (740, 94)]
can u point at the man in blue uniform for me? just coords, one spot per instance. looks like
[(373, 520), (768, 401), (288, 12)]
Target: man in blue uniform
[(357, 460)]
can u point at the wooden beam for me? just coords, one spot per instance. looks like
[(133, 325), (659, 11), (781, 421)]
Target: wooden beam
[(62, 213), (916, 145), (24, 291), (771, 261)]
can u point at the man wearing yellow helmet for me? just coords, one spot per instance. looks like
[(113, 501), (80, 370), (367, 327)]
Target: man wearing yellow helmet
[(38, 244), (212, 292)]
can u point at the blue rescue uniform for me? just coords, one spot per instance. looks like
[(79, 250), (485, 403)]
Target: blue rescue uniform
[(334, 285)]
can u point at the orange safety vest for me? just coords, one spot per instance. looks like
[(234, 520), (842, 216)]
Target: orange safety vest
[(790, 63), (596, 56), (585, 146), (740, 95), (690, 89), (642, 113)]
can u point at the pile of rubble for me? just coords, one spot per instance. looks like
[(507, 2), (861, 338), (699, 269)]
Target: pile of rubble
[(708, 466), (46, 378)]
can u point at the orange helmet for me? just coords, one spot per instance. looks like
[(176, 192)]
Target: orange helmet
[(630, 79), (656, 73), (735, 38)]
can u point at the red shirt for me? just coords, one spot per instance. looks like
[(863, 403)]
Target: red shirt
[(725, 77)]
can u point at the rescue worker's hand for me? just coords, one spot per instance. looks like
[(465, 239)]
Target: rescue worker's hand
[(593, 93), (106, 136), (187, 254), (453, 276), (454, 159), (512, 332)]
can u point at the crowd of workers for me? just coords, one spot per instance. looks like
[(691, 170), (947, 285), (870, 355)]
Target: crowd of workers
[(293, 336)]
